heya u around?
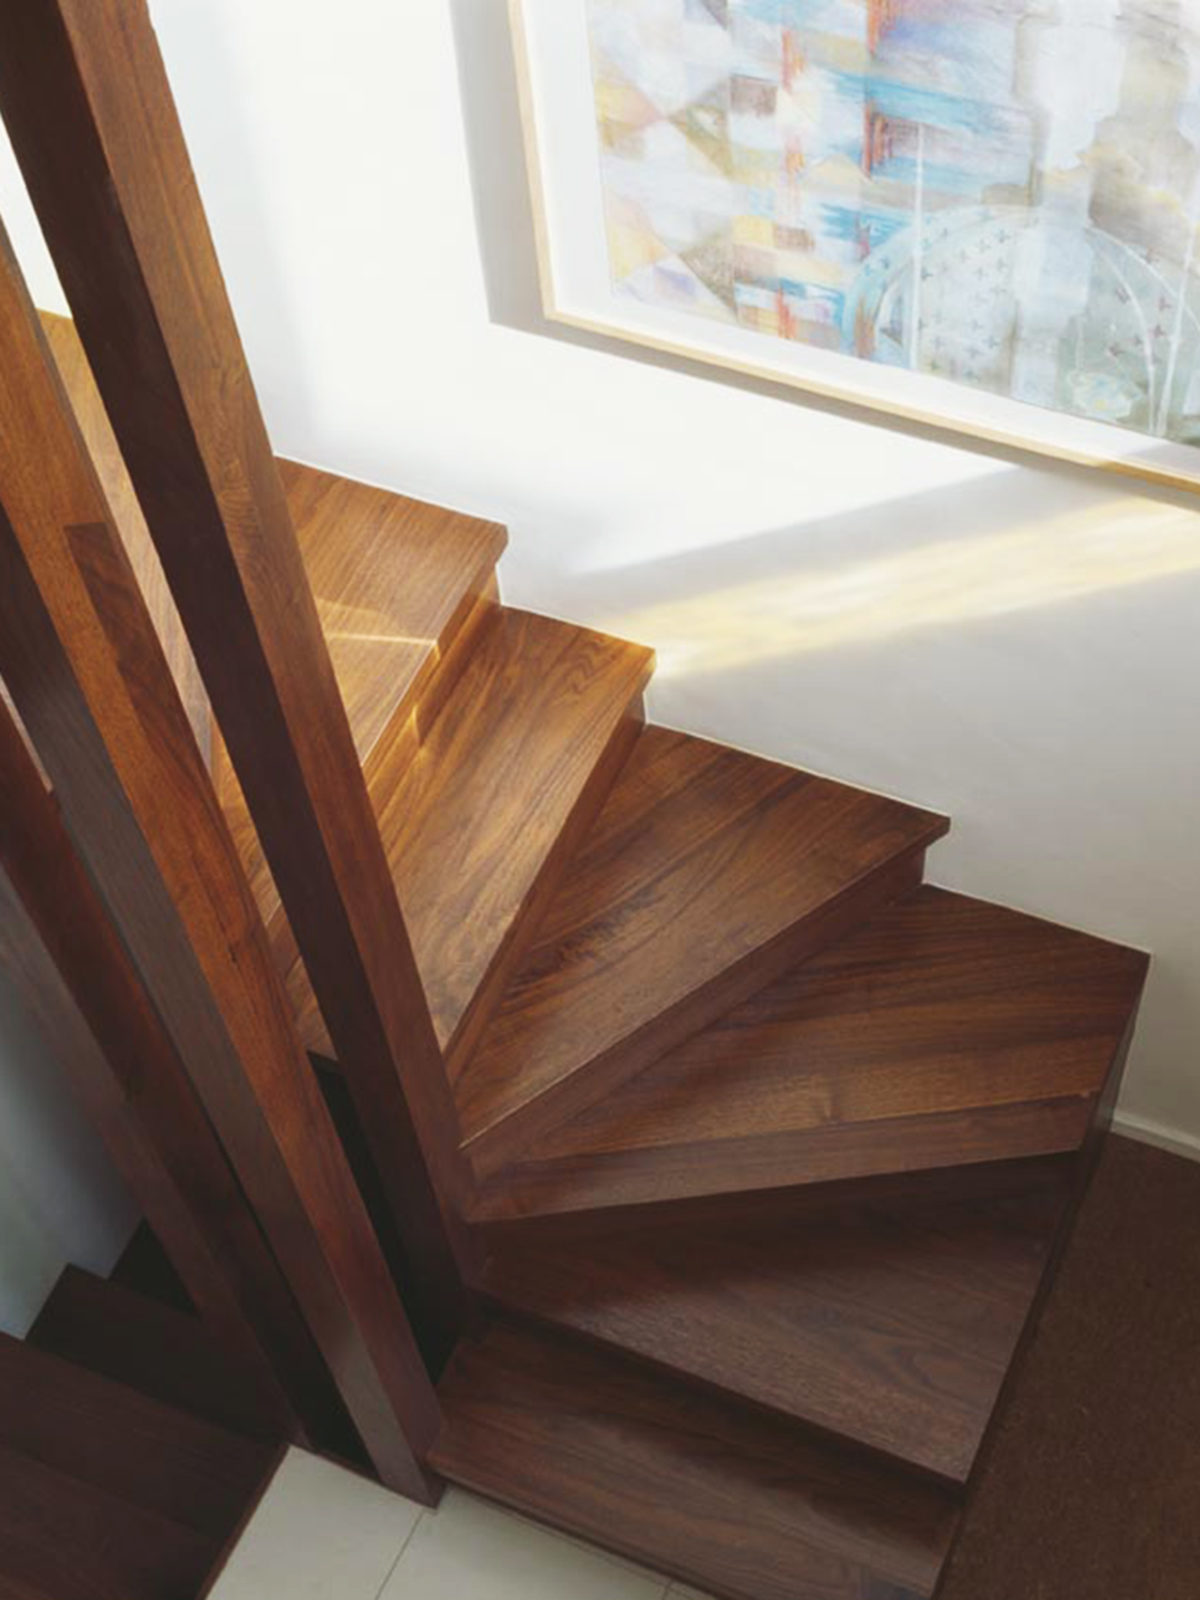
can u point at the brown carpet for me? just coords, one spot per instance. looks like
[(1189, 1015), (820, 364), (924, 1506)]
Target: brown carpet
[(1092, 1488)]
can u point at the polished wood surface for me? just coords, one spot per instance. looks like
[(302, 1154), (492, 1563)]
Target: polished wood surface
[(684, 1483), (479, 826), (85, 668), (116, 197), (108, 1494), (163, 1352), (946, 1031), (396, 582), (64, 1539), (707, 874), (64, 1417), (890, 1325), (75, 978), (128, 519)]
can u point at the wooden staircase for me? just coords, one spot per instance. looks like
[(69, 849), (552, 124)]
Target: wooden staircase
[(130, 1452), (772, 1144), (755, 1153)]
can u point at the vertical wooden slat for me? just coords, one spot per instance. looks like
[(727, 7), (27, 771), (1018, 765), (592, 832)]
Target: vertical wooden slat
[(110, 178), (59, 947), (86, 671)]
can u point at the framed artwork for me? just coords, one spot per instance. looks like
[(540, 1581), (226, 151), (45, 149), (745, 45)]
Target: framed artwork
[(980, 214)]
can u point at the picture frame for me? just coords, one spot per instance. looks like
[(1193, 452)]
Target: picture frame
[(599, 141)]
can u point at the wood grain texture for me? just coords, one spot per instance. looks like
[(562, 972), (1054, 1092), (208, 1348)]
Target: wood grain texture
[(741, 1503), (395, 583), (129, 521), (479, 824), (58, 945), (85, 668), (113, 187), (946, 1031), (707, 874), (162, 1352), (64, 1539), (103, 1433), (891, 1326)]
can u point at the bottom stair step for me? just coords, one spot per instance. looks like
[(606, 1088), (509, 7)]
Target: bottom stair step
[(162, 1352), (64, 1539), (891, 1324), (744, 1504)]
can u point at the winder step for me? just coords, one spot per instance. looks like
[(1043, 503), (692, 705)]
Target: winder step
[(708, 873), (945, 1031)]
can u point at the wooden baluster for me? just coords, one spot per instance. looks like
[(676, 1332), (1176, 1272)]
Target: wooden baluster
[(112, 184), (75, 977), (87, 674)]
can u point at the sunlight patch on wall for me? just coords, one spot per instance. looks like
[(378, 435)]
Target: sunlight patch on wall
[(1052, 561)]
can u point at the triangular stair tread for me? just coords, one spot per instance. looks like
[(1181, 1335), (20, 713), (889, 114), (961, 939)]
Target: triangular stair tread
[(395, 581), (104, 1433), (164, 1353), (65, 1539), (890, 1325), (707, 874), (944, 1031), (481, 820), (739, 1502)]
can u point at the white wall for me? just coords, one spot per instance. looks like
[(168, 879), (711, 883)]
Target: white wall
[(1015, 643), (59, 1199)]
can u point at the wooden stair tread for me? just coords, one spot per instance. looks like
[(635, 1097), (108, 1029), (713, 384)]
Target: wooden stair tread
[(395, 581), (890, 1325), (154, 1348), (944, 1031), (132, 1447), (714, 1494), (390, 575), (478, 824), (65, 1539), (707, 874)]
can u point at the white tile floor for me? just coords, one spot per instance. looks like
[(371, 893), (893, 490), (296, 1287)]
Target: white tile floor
[(321, 1533)]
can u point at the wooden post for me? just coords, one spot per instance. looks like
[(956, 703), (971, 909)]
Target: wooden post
[(113, 187), (86, 672), (60, 949)]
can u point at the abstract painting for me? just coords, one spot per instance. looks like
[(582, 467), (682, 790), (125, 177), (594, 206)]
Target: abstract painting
[(993, 196)]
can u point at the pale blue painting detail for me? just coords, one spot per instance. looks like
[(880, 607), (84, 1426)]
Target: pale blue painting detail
[(999, 193)]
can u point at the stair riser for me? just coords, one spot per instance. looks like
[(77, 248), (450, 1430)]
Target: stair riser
[(500, 1145), (738, 1503), (987, 1181), (397, 746), (510, 954), (654, 1179)]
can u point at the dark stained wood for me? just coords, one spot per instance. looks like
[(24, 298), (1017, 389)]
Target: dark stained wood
[(113, 187), (479, 824), (890, 1325), (987, 1180), (63, 1539), (398, 585), (146, 1268), (708, 873), (80, 657), (946, 1031), (76, 1422), (164, 1353), (128, 519), (76, 979), (740, 1503)]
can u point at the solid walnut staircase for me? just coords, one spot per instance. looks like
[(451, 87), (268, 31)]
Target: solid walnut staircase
[(700, 1018), (731, 1162)]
